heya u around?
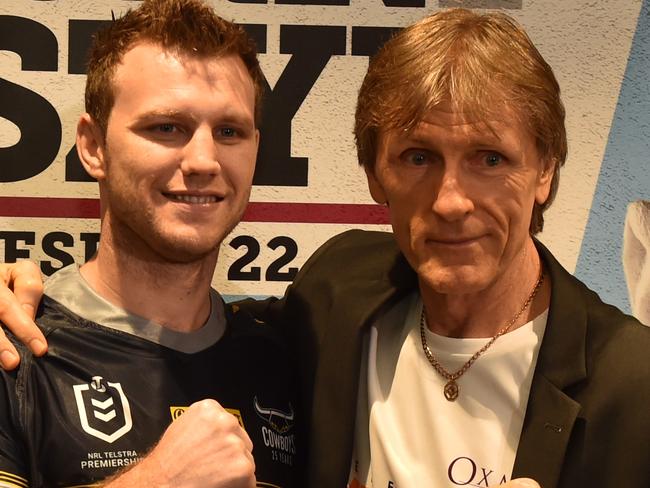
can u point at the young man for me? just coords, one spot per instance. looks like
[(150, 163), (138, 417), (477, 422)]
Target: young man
[(136, 335)]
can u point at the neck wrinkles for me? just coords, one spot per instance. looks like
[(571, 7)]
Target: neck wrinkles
[(484, 313)]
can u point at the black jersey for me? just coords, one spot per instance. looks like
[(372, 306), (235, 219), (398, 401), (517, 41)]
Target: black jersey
[(101, 398)]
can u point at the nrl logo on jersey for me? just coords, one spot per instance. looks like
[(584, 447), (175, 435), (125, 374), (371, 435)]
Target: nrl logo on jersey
[(104, 410)]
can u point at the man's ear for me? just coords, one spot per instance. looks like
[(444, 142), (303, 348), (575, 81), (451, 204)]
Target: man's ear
[(376, 188), (545, 180), (91, 147)]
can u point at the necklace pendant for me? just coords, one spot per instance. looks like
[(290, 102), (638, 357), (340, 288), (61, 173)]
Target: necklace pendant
[(451, 390)]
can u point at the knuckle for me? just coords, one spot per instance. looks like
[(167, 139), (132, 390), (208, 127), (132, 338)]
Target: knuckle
[(32, 284), (198, 406), (206, 410), (243, 467), (26, 266), (27, 278), (229, 423), (234, 448), (235, 442), (208, 406), (29, 284)]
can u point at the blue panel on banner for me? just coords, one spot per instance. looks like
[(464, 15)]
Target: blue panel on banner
[(624, 175)]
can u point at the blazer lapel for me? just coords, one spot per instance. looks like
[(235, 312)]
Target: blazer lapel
[(551, 413)]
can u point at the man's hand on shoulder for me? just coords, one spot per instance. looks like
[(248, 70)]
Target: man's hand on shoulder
[(204, 448), (18, 308)]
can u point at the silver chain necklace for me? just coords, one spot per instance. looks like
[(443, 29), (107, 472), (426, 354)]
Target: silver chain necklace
[(452, 389)]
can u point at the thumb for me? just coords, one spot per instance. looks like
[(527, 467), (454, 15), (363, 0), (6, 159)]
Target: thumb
[(523, 483)]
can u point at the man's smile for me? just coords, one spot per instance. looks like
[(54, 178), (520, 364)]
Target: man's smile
[(193, 198)]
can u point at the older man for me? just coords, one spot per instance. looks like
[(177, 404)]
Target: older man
[(137, 337), (460, 352), (465, 354)]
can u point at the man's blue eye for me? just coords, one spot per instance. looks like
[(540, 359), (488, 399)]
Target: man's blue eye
[(167, 128), (493, 159), (228, 132)]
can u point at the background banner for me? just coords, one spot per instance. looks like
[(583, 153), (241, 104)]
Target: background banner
[(308, 186)]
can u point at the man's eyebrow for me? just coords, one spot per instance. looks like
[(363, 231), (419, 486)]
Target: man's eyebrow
[(172, 114), (474, 138), (226, 117)]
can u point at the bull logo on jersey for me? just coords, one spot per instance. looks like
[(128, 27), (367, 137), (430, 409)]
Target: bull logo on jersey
[(280, 421), (104, 410)]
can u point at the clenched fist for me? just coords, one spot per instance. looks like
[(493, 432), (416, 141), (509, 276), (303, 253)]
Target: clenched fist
[(204, 448)]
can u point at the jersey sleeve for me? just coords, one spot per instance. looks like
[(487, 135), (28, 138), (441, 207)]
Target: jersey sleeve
[(13, 466)]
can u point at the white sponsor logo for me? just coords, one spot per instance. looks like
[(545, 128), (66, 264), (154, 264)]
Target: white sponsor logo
[(110, 413)]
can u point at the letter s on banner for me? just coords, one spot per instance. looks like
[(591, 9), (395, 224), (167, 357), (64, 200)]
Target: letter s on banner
[(36, 118)]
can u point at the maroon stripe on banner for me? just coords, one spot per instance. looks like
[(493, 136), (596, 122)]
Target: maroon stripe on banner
[(310, 213), (73, 208), (316, 213)]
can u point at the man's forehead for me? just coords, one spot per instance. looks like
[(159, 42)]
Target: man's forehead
[(153, 82), (151, 54), (145, 53), (479, 120), (147, 60), (471, 113)]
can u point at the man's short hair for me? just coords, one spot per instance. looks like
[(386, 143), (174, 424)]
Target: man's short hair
[(187, 27), (480, 64)]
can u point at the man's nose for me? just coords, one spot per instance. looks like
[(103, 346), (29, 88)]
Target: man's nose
[(452, 201), (201, 155)]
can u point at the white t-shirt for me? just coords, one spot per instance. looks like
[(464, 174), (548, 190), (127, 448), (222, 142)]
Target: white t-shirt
[(408, 435)]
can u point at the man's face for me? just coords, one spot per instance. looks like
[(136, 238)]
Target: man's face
[(460, 197), (180, 150)]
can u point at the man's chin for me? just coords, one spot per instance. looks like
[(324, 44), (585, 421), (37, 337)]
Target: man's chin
[(180, 251), (451, 280)]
